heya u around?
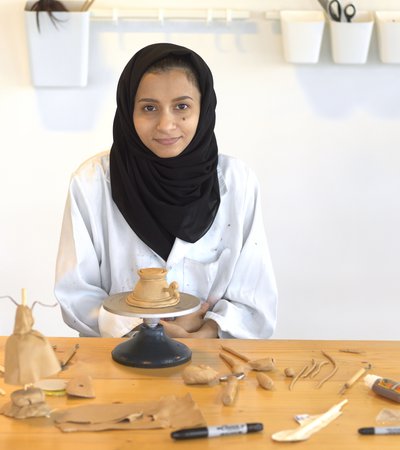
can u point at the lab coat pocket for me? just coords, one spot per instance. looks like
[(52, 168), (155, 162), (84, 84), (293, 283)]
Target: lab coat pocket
[(207, 280)]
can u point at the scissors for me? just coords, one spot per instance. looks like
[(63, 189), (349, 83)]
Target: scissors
[(335, 11)]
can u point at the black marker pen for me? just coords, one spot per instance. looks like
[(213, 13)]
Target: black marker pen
[(221, 430)]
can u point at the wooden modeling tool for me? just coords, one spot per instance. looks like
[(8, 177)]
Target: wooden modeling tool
[(235, 367), (69, 356), (262, 364), (230, 390), (23, 296), (87, 5), (349, 383)]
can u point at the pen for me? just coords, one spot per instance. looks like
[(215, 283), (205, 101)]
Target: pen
[(221, 430), (379, 430)]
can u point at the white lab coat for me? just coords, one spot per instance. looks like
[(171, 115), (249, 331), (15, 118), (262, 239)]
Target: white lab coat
[(230, 267)]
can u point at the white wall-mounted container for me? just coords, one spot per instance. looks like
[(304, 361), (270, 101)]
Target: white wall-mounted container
[(388, 27), (302, 33), (350, 41), (58, 53)]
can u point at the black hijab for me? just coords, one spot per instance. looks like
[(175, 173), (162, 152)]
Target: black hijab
[(165, 198)]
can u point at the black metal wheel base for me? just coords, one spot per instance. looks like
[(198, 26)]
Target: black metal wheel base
[(151, 348)]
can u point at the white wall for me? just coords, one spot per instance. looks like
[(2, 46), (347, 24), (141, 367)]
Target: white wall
[(324, 140)]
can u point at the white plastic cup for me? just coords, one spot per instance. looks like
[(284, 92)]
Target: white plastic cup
[(388, 27), (302, 33), (58, 53), (350, 41)]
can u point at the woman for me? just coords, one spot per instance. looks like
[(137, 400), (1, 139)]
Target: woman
[(163, 197)]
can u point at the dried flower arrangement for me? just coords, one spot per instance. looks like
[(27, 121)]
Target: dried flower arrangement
[(48, 6), (51, 6)]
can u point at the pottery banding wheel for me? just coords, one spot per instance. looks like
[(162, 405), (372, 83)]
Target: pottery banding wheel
[(151, 347), (117, 304)]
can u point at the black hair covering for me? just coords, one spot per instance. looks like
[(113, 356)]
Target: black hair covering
[(164, 198)]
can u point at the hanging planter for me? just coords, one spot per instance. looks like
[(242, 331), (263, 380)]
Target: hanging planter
[(58, 42)]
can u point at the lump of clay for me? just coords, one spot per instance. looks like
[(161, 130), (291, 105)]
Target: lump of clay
[(289, 372), (230, 391), (265, 381), (201, 374), (263, 364)]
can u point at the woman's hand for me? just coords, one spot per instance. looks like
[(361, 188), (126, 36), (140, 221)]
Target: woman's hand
[(208, 330), (193, 322), (192, 326)]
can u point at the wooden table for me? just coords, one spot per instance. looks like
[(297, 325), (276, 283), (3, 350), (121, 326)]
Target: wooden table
[(275, 409)]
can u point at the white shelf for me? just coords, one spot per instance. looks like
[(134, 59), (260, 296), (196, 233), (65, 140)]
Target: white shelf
[(161, 14)]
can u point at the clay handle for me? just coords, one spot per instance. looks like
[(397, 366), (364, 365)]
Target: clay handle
[(173, 290)]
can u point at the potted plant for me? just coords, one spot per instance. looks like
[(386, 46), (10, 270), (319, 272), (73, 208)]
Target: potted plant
[(58, 42)]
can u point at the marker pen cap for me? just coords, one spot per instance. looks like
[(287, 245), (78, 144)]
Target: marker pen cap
[(367, 430), (254, 427), (191, 433), (370, 379)]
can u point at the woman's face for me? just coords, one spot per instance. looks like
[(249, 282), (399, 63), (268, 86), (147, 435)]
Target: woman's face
[(166, 112)]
